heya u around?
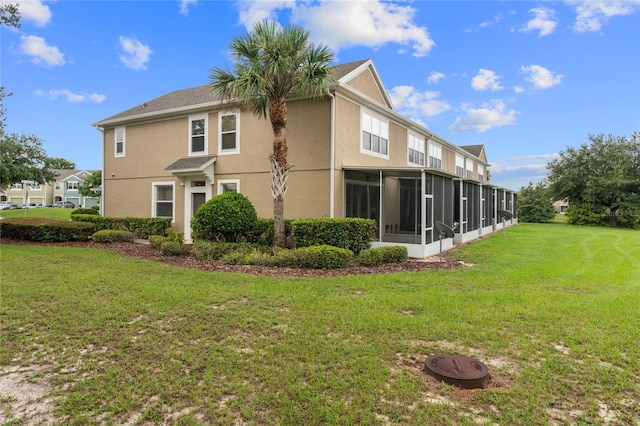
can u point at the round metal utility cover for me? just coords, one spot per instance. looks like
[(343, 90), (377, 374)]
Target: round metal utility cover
[(459, 370)]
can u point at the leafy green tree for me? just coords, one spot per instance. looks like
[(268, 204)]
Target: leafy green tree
[(92, 185), (60, 163), (10, 15), (272, 64), (535, 204), (22, 157), (602, 174)]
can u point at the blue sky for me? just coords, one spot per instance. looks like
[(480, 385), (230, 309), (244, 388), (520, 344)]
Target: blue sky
[(524, 78)]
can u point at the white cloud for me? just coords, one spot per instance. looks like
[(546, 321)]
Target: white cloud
[(414, 104), (490, 115), (486, 80), (541, 77), (518, 89), (592, 14), (136, 55), (340, 24), (435, 76), (184, 6), (41, 52), (34, 11), (496, 19), (516, 172), (544, 21), (54, 94)]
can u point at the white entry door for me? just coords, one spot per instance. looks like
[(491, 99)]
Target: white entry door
[(197, 192)]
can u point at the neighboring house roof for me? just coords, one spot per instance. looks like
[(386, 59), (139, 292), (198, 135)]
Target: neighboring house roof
[(64, 174)]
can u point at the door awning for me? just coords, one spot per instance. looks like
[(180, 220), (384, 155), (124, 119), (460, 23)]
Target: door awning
[(200, 165)]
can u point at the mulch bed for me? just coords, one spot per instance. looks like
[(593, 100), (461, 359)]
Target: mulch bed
[(145, 251)]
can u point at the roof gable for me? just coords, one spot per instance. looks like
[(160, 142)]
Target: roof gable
[(364, 78), (476, 151)]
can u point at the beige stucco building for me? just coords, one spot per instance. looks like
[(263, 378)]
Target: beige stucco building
[(353, 156)]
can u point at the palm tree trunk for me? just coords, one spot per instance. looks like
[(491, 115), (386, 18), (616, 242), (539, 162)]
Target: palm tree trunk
[(279, 168)]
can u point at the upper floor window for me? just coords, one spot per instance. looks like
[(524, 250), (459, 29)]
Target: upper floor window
[(163, 203), (57, 186), (459, 165), (435, 156), (119, 142), (416, 150), (480, 173), (36, 187), (469, 168), (375, 135), (72, 186), (198, 135), (16, 186), (229, 124)]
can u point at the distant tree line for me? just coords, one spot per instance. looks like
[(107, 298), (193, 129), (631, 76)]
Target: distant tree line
[(600, 179)]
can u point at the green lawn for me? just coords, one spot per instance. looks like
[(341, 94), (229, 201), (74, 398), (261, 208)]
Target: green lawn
[(553, 310), (48, 212)]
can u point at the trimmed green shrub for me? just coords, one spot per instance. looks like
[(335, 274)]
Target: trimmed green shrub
[(380, 255), (96, 208), (174, 248), (85, 211), (354, 234), (227, 217), (112, 236), (140, 226), (48, 230), (317, 257), (156, 241)]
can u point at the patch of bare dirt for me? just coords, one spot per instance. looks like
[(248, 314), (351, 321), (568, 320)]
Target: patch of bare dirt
[(145, 251)]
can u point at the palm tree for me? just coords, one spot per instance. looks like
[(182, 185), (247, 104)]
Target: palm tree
[(272, 64)]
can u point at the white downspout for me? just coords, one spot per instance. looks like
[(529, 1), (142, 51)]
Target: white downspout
[(332, 171)]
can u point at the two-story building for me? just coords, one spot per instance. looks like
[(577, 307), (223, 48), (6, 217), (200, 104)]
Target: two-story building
[(25, 193), (67, 184), (353, 156)]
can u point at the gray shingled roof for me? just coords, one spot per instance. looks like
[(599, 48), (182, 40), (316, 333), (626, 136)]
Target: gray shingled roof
[(475, 150), (189, 163), (201, 95)]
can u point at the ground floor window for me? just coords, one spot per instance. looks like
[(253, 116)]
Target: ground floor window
[(228, 185), (163, 199)]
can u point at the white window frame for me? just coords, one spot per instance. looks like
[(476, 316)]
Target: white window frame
[(375, 126), (77, 185), (116, 141), (435, 153), (459, 165), (416, 144), (205, 118), (16, 187), (236, 150), (36, 187), (58, 187), (222, 182), (480, 172), (469, 168), (154, 186)]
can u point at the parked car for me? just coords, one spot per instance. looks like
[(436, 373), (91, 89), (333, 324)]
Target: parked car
[(33, 205), (5, 205), (64, 204)]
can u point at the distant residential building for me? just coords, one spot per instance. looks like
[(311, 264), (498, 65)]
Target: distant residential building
[(20, 193), (66, 187)]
